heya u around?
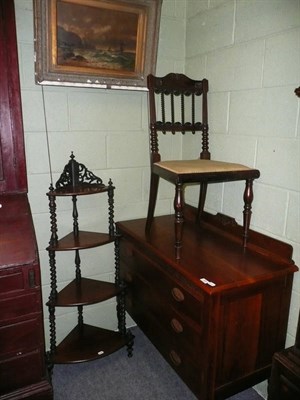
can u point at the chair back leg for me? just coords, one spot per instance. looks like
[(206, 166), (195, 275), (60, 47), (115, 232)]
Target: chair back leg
[(154, 181), (202, 197)]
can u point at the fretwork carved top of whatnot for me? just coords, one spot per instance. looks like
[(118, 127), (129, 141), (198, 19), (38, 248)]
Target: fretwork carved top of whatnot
[(77, 180)]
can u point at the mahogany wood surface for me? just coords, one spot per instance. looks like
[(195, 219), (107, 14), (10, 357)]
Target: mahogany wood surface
[(219, 335), (85, 291), (83, 189), (23, 372), (285, 377), (222, 261), (16, 222), (12, 153), (83, 240), (86, 343)]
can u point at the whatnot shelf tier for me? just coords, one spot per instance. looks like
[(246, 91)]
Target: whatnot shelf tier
[(79, 190), (86, 343), (84, 292), (83, 240)]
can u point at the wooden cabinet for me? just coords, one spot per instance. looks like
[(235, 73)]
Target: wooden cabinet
[(85, 342), (12, 154), (22, 353), (284, 382), (217, 315), (23, 372), (285, 377)]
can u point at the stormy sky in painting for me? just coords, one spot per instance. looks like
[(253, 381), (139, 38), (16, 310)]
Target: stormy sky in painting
[(99, 27)]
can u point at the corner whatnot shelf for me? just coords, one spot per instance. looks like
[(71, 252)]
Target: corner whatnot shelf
[(84, 342)]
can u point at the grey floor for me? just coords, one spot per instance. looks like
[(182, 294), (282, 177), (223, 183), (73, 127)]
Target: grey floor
[(145, 376)]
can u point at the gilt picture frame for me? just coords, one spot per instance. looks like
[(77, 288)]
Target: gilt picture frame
[(109, 44)]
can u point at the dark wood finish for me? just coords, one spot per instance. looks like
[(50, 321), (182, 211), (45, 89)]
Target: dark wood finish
[(285, 377), (284, 383), (85, 292), (23, 372), (12, 154), (219, 313), (84, 342), (178, 104), (83, 240)]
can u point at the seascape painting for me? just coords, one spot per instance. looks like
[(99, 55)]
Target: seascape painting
[(109, 44), (96, 37)]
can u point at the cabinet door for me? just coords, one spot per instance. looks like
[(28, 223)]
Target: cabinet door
[(12, 156)]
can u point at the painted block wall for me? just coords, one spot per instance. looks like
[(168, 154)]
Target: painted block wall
[(249, 50), (107, 130)]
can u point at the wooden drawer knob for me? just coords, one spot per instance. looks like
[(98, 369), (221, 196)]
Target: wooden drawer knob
[(176, 325), (175, 358), (177, 294)]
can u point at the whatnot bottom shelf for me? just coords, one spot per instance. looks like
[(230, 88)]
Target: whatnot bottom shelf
[(85, 343)]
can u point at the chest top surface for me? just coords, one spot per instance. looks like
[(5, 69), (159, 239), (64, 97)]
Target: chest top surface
[(213, 257)]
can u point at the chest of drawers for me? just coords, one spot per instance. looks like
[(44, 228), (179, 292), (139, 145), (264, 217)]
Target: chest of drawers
[(218, 314)]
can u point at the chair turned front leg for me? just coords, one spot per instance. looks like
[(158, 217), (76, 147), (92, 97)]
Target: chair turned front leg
[(248, 198), (178, 207)]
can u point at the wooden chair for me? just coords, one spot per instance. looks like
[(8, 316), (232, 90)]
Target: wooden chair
[(179, 104)]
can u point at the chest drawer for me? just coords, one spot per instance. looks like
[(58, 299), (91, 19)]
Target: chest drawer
[(17, 307), (167, 288), (20, 371), (194, 374), (19, 338), (15, 280), (11, 279), (143, 301)]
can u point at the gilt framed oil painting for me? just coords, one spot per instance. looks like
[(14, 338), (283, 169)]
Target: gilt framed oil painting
[(96, 43)]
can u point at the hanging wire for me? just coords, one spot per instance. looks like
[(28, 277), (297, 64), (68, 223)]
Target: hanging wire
[(47, 137)]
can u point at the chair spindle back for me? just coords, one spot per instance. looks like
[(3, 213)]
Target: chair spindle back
[(177, 104)]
